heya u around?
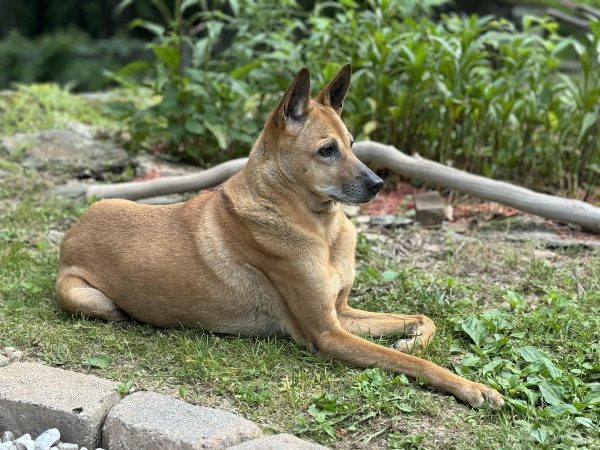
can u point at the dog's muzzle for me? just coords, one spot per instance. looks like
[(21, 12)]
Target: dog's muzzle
[(363, 188)]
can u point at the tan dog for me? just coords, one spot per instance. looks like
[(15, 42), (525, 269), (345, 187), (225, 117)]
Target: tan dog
[(268, 252)]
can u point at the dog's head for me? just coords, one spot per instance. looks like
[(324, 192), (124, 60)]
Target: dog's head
[(311, 146)]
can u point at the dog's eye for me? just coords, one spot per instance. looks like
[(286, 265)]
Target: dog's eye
[(328, 151)]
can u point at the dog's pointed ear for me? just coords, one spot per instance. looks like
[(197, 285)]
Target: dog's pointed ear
[(335, 92), (295, 102)]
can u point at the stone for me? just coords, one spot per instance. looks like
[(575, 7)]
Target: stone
[(151, 421), (383, 220), (430, 209), (34, 398), (390, 221), (9, 350), (4, 361), (8, 446), (67, 446), (25, 442), (278, 442), (8, 435), (15, 356), (47, 439), (72, 151), (351, 210), (55, 236)]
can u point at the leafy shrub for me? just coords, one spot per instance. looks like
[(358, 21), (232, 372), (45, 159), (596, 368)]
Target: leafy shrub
[(473, 92), (67, 57)]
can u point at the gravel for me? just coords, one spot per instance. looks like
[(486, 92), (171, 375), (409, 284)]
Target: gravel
[(48, 440)]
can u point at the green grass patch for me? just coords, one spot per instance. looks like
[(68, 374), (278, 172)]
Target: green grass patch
[(524, 324)]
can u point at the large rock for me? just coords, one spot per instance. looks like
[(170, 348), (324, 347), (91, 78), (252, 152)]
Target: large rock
[(151, 421), (74, 152), (278, 442), (34, 398)]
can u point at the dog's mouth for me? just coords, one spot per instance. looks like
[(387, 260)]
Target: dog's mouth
[(354, 197)]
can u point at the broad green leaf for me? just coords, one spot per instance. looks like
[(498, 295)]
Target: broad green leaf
[(519, 405), (218, 133), (99, 361), (245, 69), (154, 28), (553, 371), (586, 422), (168, 55), (551, 393), (470, 360), (540, 434), (369, 127), (475, 328), (194, 126), (532, 354), (563, 409), (592, 398), (589, 119)]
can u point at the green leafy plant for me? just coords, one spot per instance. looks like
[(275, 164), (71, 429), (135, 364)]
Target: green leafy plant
[(475, 92)]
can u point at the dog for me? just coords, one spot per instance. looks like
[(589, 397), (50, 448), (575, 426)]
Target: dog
[(269, 252)]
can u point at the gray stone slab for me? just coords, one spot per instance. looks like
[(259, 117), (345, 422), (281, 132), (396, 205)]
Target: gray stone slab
[(34, 398), (151, 421), (278, 442)]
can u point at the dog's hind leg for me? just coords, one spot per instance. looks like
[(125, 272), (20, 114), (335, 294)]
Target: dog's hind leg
[(76, 296), (419, 328)]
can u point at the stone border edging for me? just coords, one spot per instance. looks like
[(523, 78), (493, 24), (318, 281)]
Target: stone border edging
[(88, 410)]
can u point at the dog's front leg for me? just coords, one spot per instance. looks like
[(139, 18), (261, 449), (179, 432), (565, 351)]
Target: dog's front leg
[(343, 345)]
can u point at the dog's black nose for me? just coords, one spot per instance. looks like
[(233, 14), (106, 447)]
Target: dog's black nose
[(374, 184)]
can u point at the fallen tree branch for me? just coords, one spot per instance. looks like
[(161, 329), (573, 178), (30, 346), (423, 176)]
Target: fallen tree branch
[(564, 210), (569, 19), (135, 190), (549, 206), (581, 7)]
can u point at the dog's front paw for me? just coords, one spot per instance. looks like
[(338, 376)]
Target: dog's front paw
[(418, 337), (476, 393)]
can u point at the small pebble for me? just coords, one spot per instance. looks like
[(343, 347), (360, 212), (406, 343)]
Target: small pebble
[(8, 436), (9, 350), (47, 439), (4, 361), (25, 442), (15, 356), (67, 446)]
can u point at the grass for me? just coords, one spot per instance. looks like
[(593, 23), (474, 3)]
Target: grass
[(527, 324), (509, 315)]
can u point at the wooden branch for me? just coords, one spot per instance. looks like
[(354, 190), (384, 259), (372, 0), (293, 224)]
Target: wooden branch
[(135, 190), (564, 210), (569, 19), (582, 7)]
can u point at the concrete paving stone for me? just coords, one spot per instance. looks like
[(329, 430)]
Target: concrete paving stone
[(151, 421), (34, 398), (278, 442)]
